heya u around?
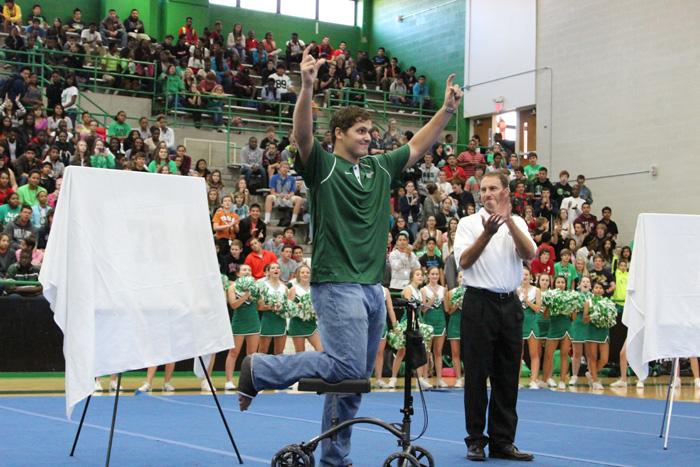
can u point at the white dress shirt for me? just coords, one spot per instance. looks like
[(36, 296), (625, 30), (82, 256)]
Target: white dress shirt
[(498, 268)]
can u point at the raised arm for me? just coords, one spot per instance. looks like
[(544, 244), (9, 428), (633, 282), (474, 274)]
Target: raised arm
[(302, 120), (426, 136)]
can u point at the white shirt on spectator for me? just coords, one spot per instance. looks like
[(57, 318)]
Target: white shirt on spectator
[(168, 135), (91, 38), (428, 175), (401, 266), (66, 96), (498, 268), (283, 83), (573, 206), (296, 47)]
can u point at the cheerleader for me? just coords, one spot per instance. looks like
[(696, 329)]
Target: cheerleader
[(112, 384), (379, 361), (272, 325), (411, 293), (597, 341), (622, 382), (433, 298), (543, 284), (558, 336), (245, 324), (300, 330), (579, 331), (531, 299), (147, 386), (453, 330)]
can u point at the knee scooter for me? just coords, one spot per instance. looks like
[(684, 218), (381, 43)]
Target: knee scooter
[(410, 455)]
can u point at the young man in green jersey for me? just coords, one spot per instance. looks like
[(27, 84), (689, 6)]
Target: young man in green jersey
[(348, 195)]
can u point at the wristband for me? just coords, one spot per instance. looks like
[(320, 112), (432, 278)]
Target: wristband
[(449, 110)]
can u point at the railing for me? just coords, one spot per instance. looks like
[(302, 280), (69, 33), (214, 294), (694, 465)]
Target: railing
[(92, 68)]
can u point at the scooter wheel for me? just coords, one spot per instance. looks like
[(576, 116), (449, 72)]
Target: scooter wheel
[(291, 456), (401, 459), (424, 458)]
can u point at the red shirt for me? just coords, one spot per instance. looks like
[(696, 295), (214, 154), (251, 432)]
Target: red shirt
[(5, 193), (536, 267), (257, 263), (251, 44), (457, 171), (470, 158)]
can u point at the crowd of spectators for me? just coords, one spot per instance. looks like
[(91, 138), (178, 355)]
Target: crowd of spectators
[(37, 142), (197, 73), (446, 186)]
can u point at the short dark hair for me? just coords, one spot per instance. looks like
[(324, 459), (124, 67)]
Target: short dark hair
[(254, 205), (606, 208), (347, 117), (26, 206), (287, 229), (287, 246), (502, 178)]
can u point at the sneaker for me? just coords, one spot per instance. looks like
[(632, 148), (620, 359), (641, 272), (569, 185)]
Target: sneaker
[(618, 384), (551, 383), (204, 386), (424, 383), (459, 383), (597, 386), (561, 385), (382, 384), (696, 381), (640, 384), (145, 387), (364, 86), (377, 88), (391, 384), (572, 380), (98, 386), (113, 386), (441, 383), (542, 384), (229, 386), (167, 387), (677, 382), (533, 385)]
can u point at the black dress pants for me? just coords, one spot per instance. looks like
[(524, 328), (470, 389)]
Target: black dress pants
[(491, 336)]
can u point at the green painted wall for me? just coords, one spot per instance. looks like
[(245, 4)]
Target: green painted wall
[(281, 26), (433, 41), (162, 17)]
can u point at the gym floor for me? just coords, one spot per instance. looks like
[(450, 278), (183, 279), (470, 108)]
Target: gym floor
[(573, 427)]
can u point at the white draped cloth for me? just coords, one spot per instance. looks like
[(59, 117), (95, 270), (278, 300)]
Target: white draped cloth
[(662, 309), (131, 274)]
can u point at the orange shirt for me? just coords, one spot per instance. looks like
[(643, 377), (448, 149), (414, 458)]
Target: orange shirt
[(222, 217)]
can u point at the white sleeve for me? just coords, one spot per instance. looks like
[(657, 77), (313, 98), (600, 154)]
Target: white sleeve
[(464, 238)]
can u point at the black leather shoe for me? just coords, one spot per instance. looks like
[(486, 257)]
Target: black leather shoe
[(509, 452), (476, 453)]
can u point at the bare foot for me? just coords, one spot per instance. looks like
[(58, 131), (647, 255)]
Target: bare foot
[(244, 402)]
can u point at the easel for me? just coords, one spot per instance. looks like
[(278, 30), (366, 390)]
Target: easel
[(114, 417), (668, 409)]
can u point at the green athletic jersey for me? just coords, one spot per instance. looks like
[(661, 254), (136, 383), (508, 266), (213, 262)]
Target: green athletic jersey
[(350, 219)]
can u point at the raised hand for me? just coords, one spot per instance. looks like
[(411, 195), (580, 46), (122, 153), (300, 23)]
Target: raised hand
[(504, 208), (492, 224), (309, 67), (453, 93)]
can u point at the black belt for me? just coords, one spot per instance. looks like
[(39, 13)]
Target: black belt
[(494, 295)]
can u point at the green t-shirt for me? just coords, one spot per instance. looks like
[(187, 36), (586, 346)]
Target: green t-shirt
[(569, 272), (103, 162), (120, 130), (7, 214), (531, 170), (28, 196), (350, 218)]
